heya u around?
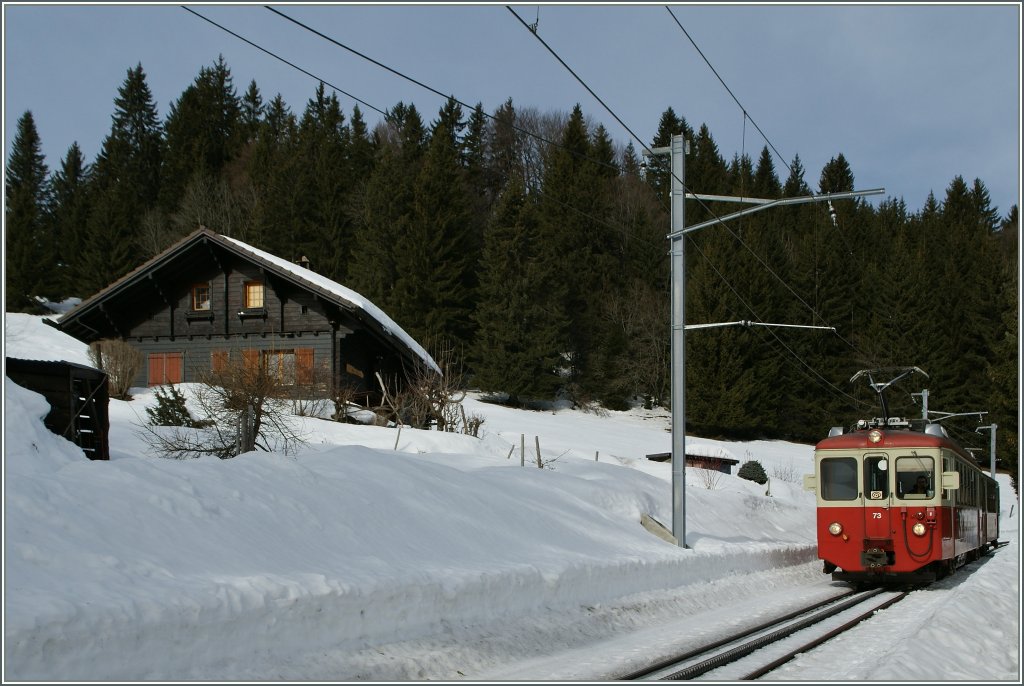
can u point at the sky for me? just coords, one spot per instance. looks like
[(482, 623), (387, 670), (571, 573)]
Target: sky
[(912, 95), (442, 559)]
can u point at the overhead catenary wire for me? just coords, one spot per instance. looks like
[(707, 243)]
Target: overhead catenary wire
[(746, 114), (816, 375), (526, 132), (425, 86), (682, 184), (521, 130), (278, 57)]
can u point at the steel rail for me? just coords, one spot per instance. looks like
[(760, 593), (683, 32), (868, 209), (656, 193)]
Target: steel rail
[(662, 664), (760, 642), (775, 664)]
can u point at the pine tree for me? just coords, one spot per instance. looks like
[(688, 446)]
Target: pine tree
[(506, 149), (70, 217), (571, 229), (705, 173), (659, 169), (320, 184), (30, 256), (435, 281), (520, 331), (251, 110), (272, 169), (203, 132), (385, 213), (125, 182)]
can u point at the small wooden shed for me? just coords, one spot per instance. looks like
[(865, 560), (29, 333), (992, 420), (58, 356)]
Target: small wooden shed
[(714, 463), (78, 397)]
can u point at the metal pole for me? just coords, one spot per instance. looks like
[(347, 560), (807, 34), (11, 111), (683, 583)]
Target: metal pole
[(992, 449), (678, 251), (992, 445), (924, 403)]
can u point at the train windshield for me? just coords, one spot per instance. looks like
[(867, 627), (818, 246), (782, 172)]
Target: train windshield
[(838, 478), (915, 477)]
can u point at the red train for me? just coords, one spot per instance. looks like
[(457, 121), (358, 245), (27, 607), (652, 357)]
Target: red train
[(899, 501)]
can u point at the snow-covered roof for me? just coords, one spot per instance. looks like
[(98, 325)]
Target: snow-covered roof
[(344, 293), (345, 297)]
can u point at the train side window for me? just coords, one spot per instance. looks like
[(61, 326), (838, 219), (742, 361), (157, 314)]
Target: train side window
[(915, 477), (876, 477), (838, 478)]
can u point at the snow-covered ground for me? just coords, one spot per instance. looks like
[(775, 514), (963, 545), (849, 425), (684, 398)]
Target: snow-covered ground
[(441, 560)]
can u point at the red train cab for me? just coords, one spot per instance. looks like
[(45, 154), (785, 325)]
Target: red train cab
[(896, 504)]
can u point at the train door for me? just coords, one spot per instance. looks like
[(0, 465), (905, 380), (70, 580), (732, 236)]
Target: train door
[(876, 497)]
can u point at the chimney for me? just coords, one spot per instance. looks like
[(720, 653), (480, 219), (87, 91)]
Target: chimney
[(303, 262)]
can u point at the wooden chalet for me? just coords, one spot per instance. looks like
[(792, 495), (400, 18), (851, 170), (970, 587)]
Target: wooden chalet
[(208, 298)]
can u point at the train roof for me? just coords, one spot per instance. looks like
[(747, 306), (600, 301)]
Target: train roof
[(900, 436)]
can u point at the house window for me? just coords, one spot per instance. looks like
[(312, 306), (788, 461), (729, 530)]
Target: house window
[(253, 294), (290, 367), (166, 368), (201, 297)]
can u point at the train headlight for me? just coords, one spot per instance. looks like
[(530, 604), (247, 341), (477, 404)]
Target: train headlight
[(919, 529), (875, 436), (835, 528)]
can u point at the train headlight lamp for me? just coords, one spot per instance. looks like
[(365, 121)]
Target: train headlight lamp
[(875, 436), (919, 529), (835, 528)]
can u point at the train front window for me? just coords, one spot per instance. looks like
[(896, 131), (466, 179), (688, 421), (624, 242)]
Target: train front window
[(915, 477), (876, 477), (838, 478)]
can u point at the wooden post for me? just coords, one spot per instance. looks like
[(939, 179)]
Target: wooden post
[(596, 454), (509, 457), (398, 436), (539, 462), (522, 450)]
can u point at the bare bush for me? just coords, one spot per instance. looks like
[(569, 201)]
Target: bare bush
[(429, 398), (346, 399), (311, 395), (709, 478), (120, 361), (787, 473), (245, 405)]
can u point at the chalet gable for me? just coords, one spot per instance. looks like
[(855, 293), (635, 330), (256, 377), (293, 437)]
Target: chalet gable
[(209, 293)]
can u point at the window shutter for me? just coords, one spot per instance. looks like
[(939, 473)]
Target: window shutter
[(174, 367), (304, 365), (219, 361), (156, 369)]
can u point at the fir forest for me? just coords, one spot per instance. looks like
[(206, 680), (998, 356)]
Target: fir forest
[(534, 246)]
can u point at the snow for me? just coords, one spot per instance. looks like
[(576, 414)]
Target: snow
[(441, 560)]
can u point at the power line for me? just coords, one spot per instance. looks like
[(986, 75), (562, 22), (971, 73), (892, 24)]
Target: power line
[(746, 114), (798, 358), (526, 132), (582, 82), (278, 57), (521, 130), (432, 89), (682, 184)]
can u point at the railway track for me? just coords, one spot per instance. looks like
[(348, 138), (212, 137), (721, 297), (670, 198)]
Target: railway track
[(756, 652)]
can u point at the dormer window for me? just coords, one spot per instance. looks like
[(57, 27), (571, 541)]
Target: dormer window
[(201, 297), (253, 294)]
